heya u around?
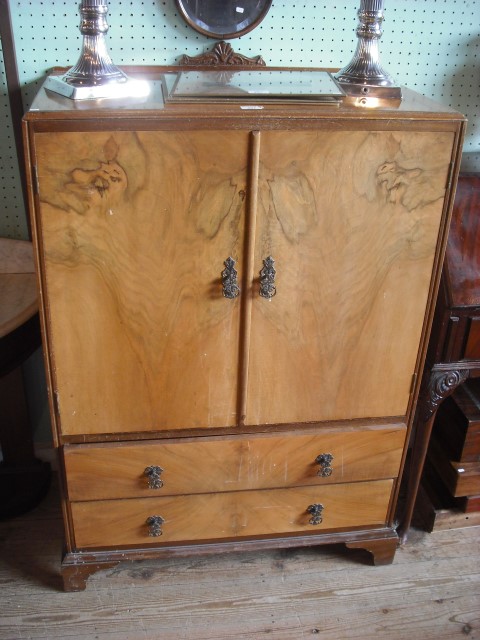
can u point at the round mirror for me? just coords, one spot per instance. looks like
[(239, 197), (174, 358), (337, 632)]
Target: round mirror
[(223, 19)]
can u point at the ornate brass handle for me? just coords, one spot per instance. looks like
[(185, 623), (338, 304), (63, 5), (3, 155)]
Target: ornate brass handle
[(153, 474), (325, 461), (267, 279), (315, 510), (229, 279), (155, 526)]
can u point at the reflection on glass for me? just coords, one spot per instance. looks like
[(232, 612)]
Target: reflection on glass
[(302, 85), (223, 18)]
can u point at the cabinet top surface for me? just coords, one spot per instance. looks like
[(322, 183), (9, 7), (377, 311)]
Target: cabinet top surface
[(50, 105)]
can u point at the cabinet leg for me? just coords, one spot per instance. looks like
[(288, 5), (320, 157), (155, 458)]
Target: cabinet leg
[(75, 576), (382, 550)]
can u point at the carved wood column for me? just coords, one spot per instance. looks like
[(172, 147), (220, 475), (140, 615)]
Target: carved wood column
[(439, 385)]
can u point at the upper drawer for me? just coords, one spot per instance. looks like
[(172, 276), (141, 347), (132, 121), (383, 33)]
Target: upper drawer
[(203, 465)]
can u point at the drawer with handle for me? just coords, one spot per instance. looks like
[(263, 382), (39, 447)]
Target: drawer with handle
[(214, 516), (237, 463)]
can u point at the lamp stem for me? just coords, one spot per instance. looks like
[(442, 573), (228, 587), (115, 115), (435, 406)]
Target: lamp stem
[(94, 67), (95, 76), (365, 68)]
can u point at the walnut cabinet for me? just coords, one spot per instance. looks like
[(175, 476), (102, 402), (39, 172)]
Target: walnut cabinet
[(235, 306)]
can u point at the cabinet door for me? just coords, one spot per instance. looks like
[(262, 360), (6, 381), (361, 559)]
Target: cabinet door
[(351, 219), (134, 230)]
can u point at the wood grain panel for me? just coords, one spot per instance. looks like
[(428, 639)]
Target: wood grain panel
[(229, 515), (231, 464), (462, 259), (351, 219), (18, 284), (16, 256), (135, 229)]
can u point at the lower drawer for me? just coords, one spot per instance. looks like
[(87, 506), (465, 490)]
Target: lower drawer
[(117, 523), (461, 478), (235, 463)]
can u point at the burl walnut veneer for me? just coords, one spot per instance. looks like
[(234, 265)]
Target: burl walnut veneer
[(235, 306)]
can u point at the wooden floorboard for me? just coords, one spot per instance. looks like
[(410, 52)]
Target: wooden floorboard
[(432, 591)]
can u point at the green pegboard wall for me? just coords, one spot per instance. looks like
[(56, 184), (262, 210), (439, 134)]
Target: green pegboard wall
[(432, 46), (13, 221)]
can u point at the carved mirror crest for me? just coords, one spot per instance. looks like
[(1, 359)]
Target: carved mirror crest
[(223, 19)]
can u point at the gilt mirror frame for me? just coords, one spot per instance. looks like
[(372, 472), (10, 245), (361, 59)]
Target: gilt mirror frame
[(227, 20)]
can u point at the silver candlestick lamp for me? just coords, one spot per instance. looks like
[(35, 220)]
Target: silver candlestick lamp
[(364, 75), (95, 76)]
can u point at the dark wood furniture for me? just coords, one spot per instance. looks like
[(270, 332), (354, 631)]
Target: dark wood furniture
[(454, 349), (236, 300), (24, 479)]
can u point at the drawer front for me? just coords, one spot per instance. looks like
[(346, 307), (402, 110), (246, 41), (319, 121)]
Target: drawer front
[(96, 472), (460, 478), (230, 515)]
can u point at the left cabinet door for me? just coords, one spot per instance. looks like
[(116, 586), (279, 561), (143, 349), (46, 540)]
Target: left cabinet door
[(134, 229)]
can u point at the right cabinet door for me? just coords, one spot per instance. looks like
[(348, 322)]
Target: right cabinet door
[(351, 219)]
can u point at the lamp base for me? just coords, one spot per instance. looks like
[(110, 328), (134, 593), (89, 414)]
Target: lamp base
[(125, 88), (365, 90)]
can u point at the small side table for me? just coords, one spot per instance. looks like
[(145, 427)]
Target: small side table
[(24, 479)]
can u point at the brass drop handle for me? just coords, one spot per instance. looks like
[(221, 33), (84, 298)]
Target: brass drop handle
[(267, 279), (316, 511), (153, 474), (230, 286), (155, 526), (325, 461)]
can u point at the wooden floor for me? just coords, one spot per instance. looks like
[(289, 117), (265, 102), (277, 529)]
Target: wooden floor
[(432, 591)]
